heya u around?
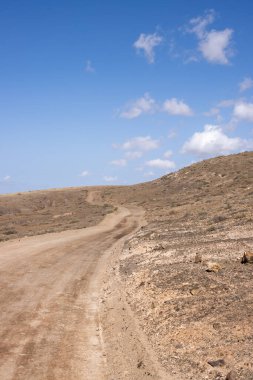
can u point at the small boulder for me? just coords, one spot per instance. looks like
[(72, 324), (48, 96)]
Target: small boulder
[(217, 363), (231, 376), (247, 258), (213, 267), (195, 291), (198, 258), (159, 247)]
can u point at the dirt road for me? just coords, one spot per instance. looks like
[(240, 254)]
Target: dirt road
[(49, 300)]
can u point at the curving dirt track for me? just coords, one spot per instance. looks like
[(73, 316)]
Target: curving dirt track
[(49, 300)]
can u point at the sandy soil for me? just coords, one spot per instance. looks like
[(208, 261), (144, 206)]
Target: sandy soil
[(51, 315)]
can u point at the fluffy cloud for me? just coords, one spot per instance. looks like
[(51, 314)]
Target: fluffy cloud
[(177, 107), (147, 43), (245, 84), (84, 173), (215, 45), (158, 163), (199, 24), (212, 141), (120, 162), (244, 111), (141, 143), (110, 178), (140, 106)]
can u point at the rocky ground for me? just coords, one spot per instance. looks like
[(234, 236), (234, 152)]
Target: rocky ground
[(41, 212), (180, 275), (183, 274), (193, 300)]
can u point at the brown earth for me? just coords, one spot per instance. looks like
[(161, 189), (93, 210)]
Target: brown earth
[(52, 295), (40, 212), (192, 316), (176, 302)]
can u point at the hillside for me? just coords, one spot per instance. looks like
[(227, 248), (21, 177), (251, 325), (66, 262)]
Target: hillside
[(210, 194), (41, 212), (181, 274)]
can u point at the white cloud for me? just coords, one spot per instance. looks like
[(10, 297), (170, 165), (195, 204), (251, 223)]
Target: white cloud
[(212, 141), (172, 134), (141, 143), (120, 162), (226, 103), (7, 178), (88, 67), (147, 43), (84, 173), (215, 47), (199, 24), (212, 112), (168, 154), (140, 106), (177, 107), (110, 178), (149, 174), (245, 84), (133, 155), (244, 111), (158, 163)]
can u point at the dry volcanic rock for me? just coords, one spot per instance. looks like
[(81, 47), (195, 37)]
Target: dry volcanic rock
[(247, 258)]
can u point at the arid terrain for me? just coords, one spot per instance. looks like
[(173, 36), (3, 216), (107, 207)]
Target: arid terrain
[(133, 282)]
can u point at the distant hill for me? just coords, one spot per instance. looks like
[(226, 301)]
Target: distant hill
[(210, 193)]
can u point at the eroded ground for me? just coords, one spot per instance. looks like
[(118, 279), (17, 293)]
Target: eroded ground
[(52, 287), (192, 316), (175, 302)]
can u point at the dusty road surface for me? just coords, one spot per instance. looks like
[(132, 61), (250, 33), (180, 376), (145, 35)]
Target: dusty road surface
[(50, 286)]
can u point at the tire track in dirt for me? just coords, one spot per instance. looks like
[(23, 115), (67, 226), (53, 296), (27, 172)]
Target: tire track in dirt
[(49, 298)]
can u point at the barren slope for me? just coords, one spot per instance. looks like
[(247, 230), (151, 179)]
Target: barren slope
[(40, 212), (195, 324), (192, 316)]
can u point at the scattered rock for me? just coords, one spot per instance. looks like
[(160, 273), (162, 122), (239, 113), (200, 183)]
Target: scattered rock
[(198, 258), (194, 291), (216, 363), (247, 258), (231, 375), (216, 326), (159, 247), (213, 267), (140, 364)]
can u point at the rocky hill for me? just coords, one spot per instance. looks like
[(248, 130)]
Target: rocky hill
[(183, 273)]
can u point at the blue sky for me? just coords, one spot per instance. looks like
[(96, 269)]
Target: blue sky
[(96, 92)]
